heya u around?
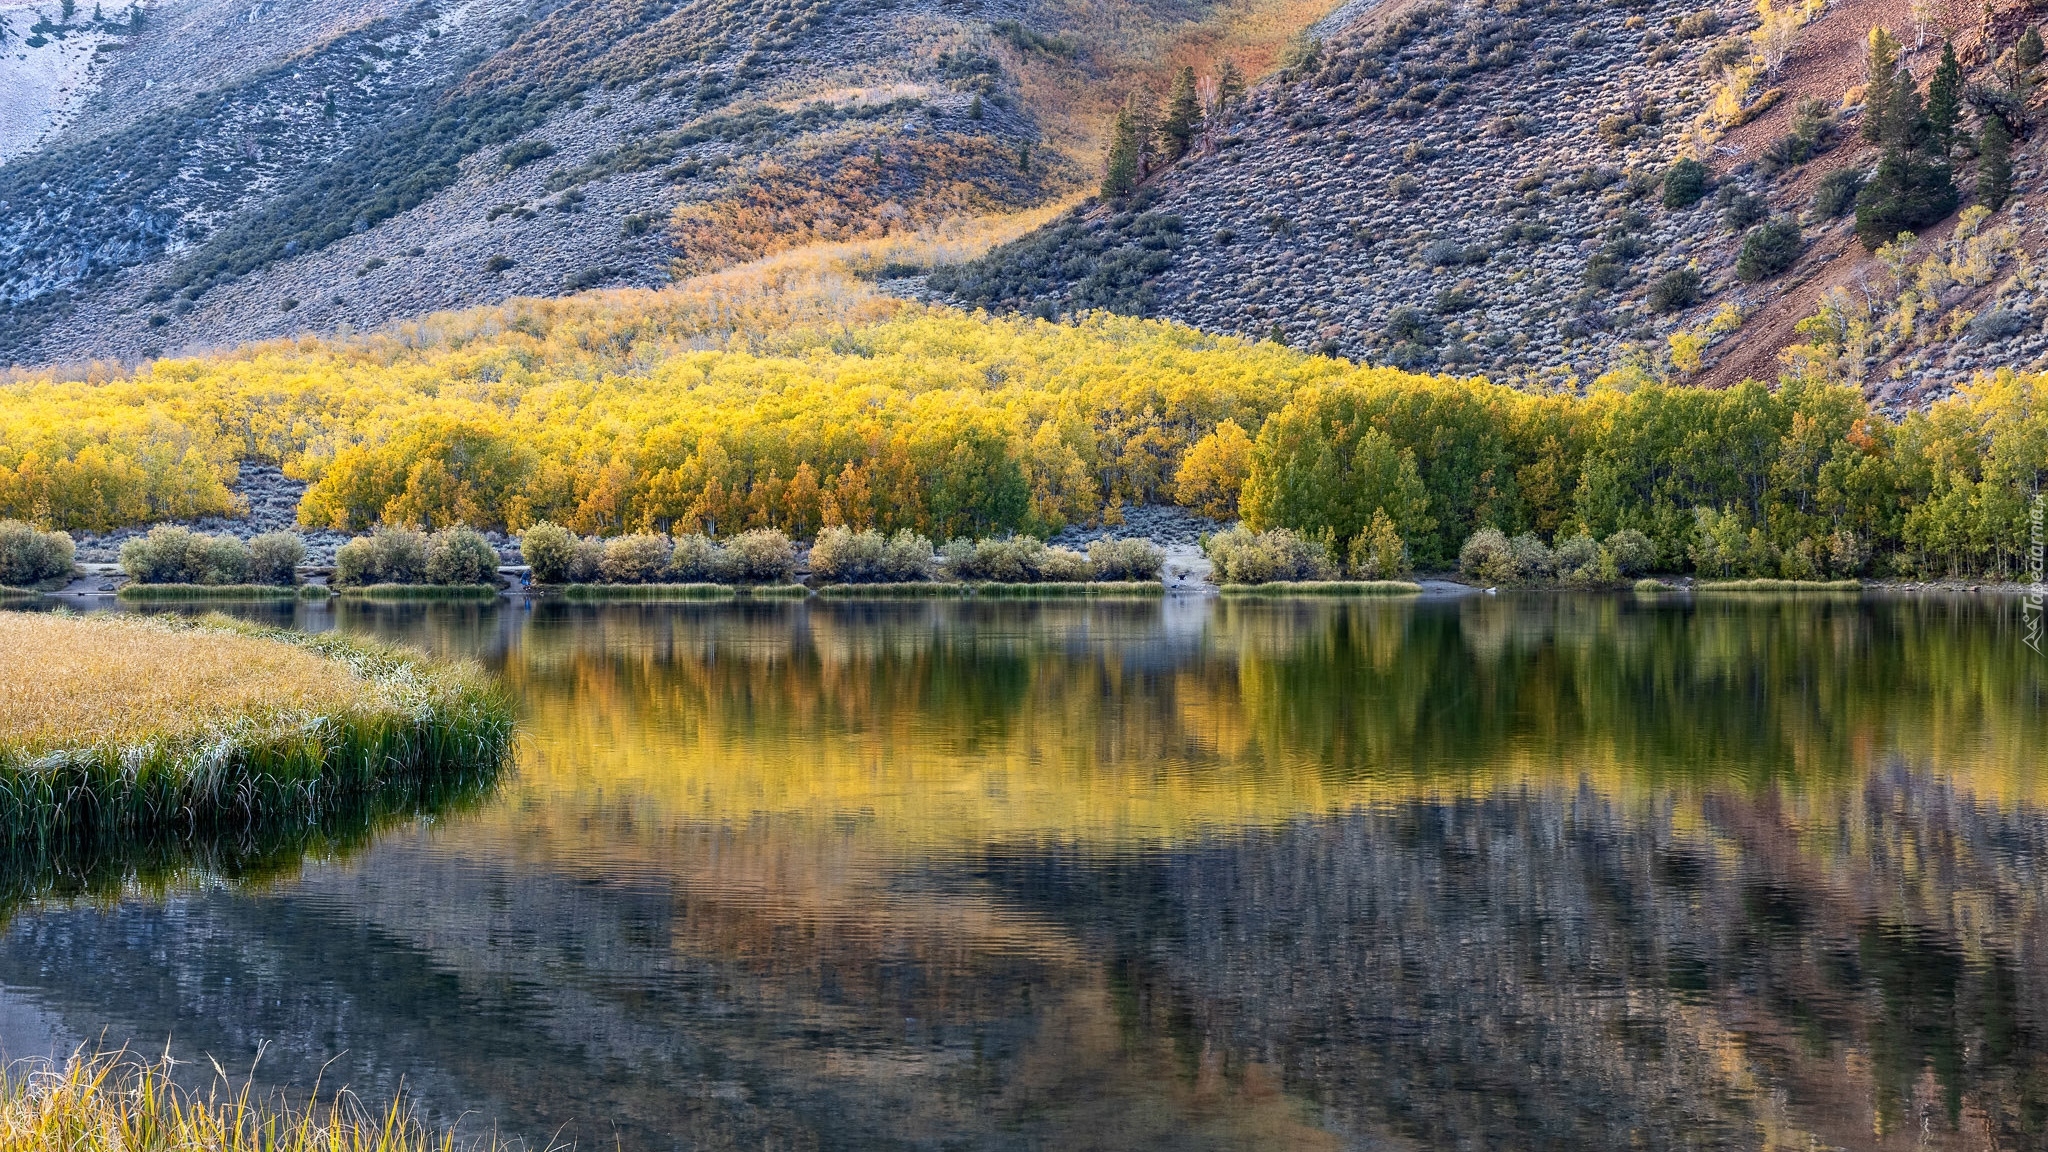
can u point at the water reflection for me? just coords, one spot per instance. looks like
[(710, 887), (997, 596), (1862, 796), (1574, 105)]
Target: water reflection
[(1542, 872)]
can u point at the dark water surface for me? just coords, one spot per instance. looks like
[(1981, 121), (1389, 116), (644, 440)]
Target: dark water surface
[(1502, 873)]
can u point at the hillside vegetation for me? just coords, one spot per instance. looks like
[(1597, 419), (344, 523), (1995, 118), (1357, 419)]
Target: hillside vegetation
[(701, 412)]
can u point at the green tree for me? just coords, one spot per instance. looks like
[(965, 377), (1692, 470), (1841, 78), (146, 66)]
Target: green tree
[(1945, 98), (2027, 53), (1183, 115), (1229, 86), (1880, 79), (1994, 163), (1120, 172)]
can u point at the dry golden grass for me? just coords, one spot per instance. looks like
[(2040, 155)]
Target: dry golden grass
[(112, 1103), (71, 680)]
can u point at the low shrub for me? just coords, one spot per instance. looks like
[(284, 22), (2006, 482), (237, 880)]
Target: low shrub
[(174, 555), (274, 558), (844, 556), (697, 559), (762, 556), (461, 556), (386, 556), (1685, 182), (1769, 249), (1013, 560), (29, 556), (1632, 551), (550, 551), (636, 559), (1836, 193), (1125, 559), (1487, 556), (1241, 556), (1675, 290)]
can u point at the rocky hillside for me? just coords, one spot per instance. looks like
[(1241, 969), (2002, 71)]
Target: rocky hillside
[(192, 173), (1489, 187)]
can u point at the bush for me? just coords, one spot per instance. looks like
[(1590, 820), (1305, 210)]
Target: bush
[(1685, 182), (1676, 289), (762, 556), (697, 559), (1836, 193), (550, 550), (1125, 559), (843, 556), (386, 556), (1487, 556), (173, 555), (29, 556), (1739, 209), (274, 558), (1241, 556), (1533, 559), (1769, 249), (1632, 551), (1577, 558), (460, 556), (1013, 560), (637, 559), (1378, 553)]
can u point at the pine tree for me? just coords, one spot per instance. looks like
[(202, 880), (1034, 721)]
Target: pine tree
[(974, 107), (70, 9), (1905, 123), (1880, 78), (2027, 53), (1994, 163), (1229, 86), (1945, 99), (1120, 173), (1183, 115)]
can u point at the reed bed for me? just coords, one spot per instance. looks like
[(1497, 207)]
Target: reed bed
[(166, 593), (116, 1103), (600, 593), (463, 592), (1092, 588), (1780, 586), (1324, 588), (119, 730), (775, 591), (1650, 586), (905, 590)]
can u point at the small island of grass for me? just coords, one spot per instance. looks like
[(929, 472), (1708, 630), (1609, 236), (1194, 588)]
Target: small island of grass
[(121, 728)]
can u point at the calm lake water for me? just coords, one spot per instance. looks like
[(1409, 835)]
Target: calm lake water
[(1514, 872)]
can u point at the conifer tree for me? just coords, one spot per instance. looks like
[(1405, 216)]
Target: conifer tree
[(2027, 53), (1880, 77), (1229, 85), (1994, 163), (1121, 173), (1945, 98), (1183, 115)]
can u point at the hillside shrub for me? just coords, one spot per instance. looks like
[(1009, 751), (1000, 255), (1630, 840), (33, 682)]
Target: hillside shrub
[(29, 556), (1685, 182), (1674, 291), (274, 558), (174, 555), (1240, 556), (844, 556), (1769, 249), (1835, 195)]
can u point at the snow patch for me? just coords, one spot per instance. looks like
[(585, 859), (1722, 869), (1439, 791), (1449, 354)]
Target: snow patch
[(42, 88)]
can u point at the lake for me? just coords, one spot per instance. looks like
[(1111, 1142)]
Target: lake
[(1538, 871)]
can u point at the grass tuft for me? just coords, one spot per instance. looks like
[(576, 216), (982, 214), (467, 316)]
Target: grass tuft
[(118, 731), (1650, 586), (422, 592), (776, 591), (1324, 588), (999, 591), (907, 590), (599, 593), (1780, 586), (113, 1102), (154, 593)]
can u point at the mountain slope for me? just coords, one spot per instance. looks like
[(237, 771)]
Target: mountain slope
[(1478, 187), (218, 177)]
